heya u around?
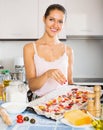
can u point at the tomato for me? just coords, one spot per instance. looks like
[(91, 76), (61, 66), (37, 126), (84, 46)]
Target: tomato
[(19, 117), (19, 120)]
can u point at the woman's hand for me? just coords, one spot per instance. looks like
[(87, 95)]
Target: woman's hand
[(57, 75)]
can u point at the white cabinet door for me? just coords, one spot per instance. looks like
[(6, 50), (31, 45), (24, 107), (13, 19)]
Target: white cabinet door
[(95, 17), (43, 4), (18, 19), (85, 17)]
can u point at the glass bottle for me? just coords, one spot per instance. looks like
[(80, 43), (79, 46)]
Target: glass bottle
[(2, 96), (1, 75), (5, 82), (6, 78)]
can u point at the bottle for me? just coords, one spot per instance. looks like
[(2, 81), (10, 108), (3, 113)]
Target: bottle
[(1, 84), (6, 81), (97, 91), (1, 75), (1, 68), (2, 96), (6, 77), (90, 104)]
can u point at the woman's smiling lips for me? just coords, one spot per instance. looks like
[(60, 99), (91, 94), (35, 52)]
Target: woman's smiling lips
[(54, 30)]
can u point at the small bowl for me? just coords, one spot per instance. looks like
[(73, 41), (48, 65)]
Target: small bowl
[(14, 107)]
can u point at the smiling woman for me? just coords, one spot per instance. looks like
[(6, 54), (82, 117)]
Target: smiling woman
[(49, 62)]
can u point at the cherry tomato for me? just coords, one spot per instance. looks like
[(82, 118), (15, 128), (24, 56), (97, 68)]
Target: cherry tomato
[(20, 120), (19, 117)]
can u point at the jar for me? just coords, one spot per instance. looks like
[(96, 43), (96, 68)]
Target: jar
[(16, 92)]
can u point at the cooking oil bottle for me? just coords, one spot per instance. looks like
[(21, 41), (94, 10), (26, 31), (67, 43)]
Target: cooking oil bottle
[(6, 81), (6, 78)]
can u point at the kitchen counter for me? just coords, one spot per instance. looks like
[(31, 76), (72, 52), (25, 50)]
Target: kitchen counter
[(41, 123), (89, 83)]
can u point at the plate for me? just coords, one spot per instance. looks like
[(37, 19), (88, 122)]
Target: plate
[(14, 107), (68, 123)]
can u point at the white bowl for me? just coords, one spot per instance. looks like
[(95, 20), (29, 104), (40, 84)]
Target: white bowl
[(14, 107)]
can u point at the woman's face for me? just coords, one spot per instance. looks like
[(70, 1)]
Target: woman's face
[(54, 22)]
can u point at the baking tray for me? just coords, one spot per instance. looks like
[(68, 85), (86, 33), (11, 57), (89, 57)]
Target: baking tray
[(54, 104)]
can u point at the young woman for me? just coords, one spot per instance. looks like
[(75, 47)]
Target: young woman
[(48, 62)]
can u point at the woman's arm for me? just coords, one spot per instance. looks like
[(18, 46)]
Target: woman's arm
[(33, 81), (70, 64)]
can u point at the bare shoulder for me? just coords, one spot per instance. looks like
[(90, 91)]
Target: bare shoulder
[(69, 50), (28, 47)]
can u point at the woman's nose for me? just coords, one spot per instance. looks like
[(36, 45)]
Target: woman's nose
[(55, 24)]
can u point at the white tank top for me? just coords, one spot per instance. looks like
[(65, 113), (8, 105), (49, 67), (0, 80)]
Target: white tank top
[(42, 66)]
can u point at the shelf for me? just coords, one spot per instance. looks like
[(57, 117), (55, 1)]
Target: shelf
[(85, 37)]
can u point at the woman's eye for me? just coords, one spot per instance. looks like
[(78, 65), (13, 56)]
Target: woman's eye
[(60, 21), (51, 19)]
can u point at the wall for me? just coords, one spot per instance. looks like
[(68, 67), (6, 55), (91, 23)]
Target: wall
[(88, 55), (87, 58), (9, 50)]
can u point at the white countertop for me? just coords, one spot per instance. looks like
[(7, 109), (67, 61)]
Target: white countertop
[(89, 83)]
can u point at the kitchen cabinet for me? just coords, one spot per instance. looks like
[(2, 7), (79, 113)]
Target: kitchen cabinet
[(85, 17), (18, 19), (42, 8), (22, 19)]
